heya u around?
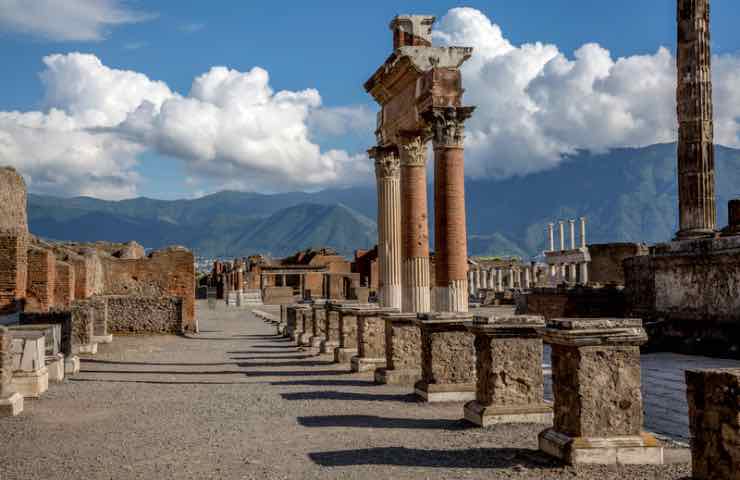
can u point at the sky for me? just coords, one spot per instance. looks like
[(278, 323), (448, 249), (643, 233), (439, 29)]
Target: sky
[(169, 99)]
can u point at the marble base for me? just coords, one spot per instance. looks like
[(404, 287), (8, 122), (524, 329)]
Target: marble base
[(31, 384), (55, 365), (409, 376), (633, 450), (328, 346), (361, 364), (485, 416), (11, 406), (72, 365), (344, 355), (455, 392)]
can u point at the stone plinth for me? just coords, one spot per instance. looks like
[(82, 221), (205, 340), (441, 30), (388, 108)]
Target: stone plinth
[(11, 402), (402, 351), (71, 365), (347, 335), (306, 316), (596, 387), (318, 312), (331, 327), (55, 366), (30, 375), (714, 421), (510, 382), (447, 358), (292, 326), (370, 339)]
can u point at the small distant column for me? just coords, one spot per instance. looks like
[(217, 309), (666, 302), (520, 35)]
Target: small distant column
[(572, 225), (561, 229), (499, 280), (527, 278), (511, 278), (477, 279), (471, 284), (583, 232)]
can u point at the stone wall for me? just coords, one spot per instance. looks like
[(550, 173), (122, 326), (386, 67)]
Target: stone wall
[(579, 302), (13, 240), (130, 314), (606, 261), (687, 293), (64, 288), (168, 272), (277, 295), (41, 281), (13, 201)]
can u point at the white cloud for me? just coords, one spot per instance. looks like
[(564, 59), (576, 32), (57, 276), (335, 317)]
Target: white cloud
[(231, 128), (535, 104), (74, 20)]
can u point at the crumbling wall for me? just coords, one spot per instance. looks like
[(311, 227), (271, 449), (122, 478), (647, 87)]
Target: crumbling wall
[(607, 259), (13, 240), (277, 295), (582, 302), (64, 288), (41, 280), (135, 314)]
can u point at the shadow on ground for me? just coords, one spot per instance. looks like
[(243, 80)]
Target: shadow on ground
[(350, 396), (373, 421), (412, 457)]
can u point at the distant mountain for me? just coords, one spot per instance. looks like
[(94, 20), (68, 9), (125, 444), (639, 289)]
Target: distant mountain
[(626, 194)]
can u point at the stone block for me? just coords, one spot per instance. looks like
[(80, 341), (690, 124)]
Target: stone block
[(29, 351), (63, 318), (11, 402), (402, 351), (370, 339), (447, 358), (52, 335), (55, 366), (31, 384), (71, 365), (12, 405), (344, 355), (714, 420)]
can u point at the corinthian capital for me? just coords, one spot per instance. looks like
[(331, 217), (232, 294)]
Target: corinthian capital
[(447, 125), (413, 149), (387, 163)]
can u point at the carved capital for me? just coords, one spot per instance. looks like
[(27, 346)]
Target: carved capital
[(447, 125), (387, 163), (413, 150)]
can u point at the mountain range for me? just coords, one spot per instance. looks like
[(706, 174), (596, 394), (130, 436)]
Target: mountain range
[(626, 194)]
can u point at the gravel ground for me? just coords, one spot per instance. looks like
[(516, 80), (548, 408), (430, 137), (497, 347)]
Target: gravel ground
[(238, 402)]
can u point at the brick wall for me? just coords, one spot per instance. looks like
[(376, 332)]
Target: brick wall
[(133, 314), (41, 280), (13, 201), (64, 288), (13, 269)]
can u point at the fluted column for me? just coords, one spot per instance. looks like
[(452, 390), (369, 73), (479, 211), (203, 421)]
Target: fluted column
[(450, 238), (388, 176), (696, 197), (415, 225)]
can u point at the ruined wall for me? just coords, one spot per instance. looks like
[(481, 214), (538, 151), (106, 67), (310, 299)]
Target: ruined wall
[(168, 272), (606, 261), (13, 240), (277, 295), (573, 302), (41, 281), (64, 288), (134, 314)]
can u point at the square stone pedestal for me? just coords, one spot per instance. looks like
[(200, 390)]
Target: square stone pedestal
[(347, 335), (305, 315), (72, 365), (447, 358), (596, 386), (510, 382), (370, 339), (331, 329), (31, 384), (55, 365), (402, 351), (12, 405)]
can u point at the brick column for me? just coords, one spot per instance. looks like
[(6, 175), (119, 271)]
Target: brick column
[(387, 173), (696, 198), (450, 237), (415, 225)]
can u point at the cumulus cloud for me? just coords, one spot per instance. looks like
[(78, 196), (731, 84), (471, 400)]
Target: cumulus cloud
[(536, 105), (78, 20), (231, 127)]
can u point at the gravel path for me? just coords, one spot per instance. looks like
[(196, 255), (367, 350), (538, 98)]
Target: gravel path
[(237, 402)]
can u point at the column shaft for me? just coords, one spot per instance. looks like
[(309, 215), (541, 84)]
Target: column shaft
[(387, 170)]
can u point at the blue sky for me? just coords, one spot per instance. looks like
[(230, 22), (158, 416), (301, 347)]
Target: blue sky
[(333, 46)]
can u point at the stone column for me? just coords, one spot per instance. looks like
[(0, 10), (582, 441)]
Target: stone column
[(551, 239), (450, 238), (596, 389), (714, 422), (561, 231), (696, 197), (527, 278), (572, 225), (583, 232), (511, 278), (477, 280), (414, 224), (499, 280), (508, 347), (347, 334), (11, 402), (388, 175), (371, 352)]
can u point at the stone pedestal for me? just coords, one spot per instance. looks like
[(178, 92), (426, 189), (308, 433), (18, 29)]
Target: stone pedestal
[(71, 365), (347, 335), (293, 327), (714, 421), (370, 339), (55, 366), (510, 382), (596, 387), (447, 358), (318, 311), (402, 351), (30, 375), (331, 328), (11, 402), (305, 315)]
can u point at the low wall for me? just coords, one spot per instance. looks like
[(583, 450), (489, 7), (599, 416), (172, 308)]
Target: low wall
[(137, 315), (277, 295), (579, 301)]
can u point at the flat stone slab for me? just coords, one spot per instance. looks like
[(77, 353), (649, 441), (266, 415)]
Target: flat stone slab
[(344, 355), (457, 392), (487, 415), (11, 406), (384, 376), (31, 384), (637, 450), (363, 364)]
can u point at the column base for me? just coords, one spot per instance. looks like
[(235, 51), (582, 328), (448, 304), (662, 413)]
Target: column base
[(72, 365), (694, 233), (31, 384), (641, 449), (453, 392), (344, 355), (363, 364), (485, 416), (102, 339), (392, 296), (11, 406), (453, 298), (328, 346), (409, 376), (315, 342), (55, 365)]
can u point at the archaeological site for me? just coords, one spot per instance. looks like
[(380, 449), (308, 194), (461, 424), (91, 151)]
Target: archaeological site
[(410, 357)]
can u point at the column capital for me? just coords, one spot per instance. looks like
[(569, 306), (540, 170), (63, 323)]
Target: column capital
[(413, 149), (447, 125), (387, 163)]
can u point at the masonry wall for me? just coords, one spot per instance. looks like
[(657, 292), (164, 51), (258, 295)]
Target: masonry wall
[(13, 202), (135, 314), (169, 272), (41, 280), (606, 261), (277, 296), (64, 287), (574, 302), (13, 240)]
